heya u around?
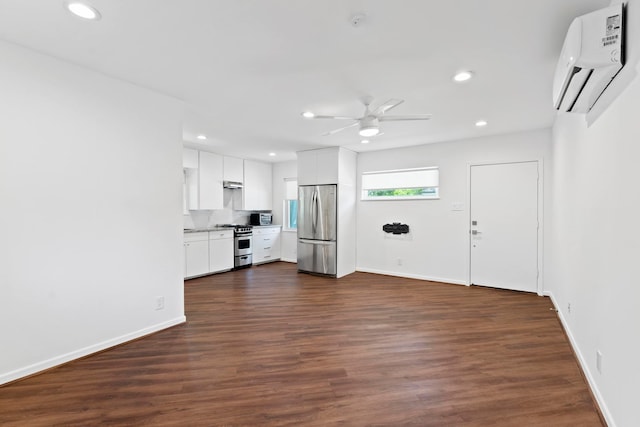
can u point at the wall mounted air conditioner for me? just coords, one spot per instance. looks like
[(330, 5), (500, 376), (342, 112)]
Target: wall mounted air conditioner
[(591, 57)]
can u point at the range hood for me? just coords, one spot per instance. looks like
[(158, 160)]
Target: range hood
[(231, 184)]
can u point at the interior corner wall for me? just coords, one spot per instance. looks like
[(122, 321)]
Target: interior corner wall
[(437, 245), (595, 239), (91, 221)]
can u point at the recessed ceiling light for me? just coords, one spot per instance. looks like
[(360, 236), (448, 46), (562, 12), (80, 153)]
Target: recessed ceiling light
[(272, 154), (365, 141), (308, 115), (463, 76), (481, 123), (83, 10), (201, 137)]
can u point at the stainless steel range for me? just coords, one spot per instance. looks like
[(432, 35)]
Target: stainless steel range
[(242, 245)]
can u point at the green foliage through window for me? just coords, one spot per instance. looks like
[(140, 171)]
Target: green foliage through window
[(400, 192)]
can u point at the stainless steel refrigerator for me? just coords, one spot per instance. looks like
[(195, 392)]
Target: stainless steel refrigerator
[(317, 229)]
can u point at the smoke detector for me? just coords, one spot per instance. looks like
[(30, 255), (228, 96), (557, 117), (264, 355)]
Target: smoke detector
[(357, 20)]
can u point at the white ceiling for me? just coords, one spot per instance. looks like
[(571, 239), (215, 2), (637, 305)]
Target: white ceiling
[(246, 69)]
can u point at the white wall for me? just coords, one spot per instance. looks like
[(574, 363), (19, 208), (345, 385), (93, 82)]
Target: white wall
[(289, 239), (595, 239), (91, 221), (436, 247)]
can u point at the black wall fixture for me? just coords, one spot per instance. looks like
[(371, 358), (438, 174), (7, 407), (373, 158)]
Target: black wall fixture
[(395, 228)]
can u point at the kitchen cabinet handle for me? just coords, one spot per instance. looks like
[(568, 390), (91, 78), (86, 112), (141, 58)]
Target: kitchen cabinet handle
[(269, 247)]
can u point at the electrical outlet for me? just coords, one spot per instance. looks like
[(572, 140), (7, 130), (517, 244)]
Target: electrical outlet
[(399, 261), (569, 308), (599, 361), (159, 303)]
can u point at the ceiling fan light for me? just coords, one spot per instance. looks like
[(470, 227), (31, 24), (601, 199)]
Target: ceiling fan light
[(308, 115), (368, 131), (369, 126)]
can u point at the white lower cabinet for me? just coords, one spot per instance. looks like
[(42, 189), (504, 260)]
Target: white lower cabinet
[(207, 252), (266, 244), (220, 250), (196, 254)]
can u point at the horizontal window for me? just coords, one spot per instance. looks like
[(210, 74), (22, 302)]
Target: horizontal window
[(421, 183)]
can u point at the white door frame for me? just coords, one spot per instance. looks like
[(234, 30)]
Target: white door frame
[(540, 161)]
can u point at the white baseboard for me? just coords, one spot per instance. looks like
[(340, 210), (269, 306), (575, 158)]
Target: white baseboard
[(412, 276), (82, 352), (583, 364), (295, 261)]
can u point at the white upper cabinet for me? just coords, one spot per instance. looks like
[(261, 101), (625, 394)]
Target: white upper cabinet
[(205, 173), (325, 166), (203, 184), (210, 171), (233, 169), (257, 188)]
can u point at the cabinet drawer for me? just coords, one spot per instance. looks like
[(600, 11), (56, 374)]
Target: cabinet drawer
[(194, 237), (224, 234), (264, 242), (265, 231), (263, 258)]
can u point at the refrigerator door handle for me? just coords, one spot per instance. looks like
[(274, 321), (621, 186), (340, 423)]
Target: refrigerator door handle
[(314, 211), (317, 242)]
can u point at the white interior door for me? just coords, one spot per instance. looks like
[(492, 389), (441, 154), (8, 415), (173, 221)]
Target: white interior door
[(504, 226)]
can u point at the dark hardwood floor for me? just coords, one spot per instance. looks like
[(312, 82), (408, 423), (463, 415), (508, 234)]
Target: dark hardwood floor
[(267, 346)]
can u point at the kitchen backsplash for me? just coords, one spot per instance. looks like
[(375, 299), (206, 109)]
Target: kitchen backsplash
[(211, 218)]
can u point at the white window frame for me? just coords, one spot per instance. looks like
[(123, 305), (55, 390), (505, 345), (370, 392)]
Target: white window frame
[(400, 179)]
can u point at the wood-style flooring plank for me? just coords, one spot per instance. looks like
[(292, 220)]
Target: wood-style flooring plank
[(266, 346)]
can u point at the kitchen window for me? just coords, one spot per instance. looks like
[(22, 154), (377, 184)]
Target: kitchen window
[(291, 204), (401, 184)]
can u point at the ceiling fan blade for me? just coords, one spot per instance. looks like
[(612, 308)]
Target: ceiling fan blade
[(331, 132), (386, 106), (407, 117), (335, 117)]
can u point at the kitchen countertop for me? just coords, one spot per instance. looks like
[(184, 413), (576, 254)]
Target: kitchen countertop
[(201, 230)]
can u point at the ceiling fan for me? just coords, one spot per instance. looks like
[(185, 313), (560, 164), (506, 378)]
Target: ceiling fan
[(369, 123)]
